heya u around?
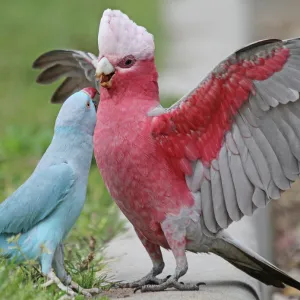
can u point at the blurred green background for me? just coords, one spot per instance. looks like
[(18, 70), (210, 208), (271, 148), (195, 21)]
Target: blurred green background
[(27, 29)]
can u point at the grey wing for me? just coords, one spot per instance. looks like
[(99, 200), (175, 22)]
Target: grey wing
[(259, 154), (259, 159), (78, 67)]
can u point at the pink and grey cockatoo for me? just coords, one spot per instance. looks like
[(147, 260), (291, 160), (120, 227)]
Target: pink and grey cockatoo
[(182, 175)]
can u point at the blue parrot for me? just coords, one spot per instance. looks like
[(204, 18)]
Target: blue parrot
[(43, 210)]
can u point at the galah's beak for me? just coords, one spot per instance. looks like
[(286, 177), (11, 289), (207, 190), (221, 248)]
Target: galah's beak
[(104, 72)]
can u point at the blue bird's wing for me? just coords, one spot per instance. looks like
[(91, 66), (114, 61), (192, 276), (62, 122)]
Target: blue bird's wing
[(37, 198)]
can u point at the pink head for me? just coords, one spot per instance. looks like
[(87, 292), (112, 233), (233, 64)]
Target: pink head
[(126, 57)]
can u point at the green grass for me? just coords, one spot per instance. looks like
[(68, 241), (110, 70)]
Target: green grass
[(28, 28)]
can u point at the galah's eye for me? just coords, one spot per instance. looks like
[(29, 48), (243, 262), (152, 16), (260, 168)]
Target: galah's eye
[(127, 61)]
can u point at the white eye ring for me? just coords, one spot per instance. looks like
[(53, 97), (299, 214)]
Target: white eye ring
[(88, 104)]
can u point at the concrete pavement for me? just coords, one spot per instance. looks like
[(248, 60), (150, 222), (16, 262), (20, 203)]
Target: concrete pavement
[(223, 281)]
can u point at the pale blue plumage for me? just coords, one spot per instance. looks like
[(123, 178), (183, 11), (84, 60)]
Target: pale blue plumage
[(37, 198), (47, 205)]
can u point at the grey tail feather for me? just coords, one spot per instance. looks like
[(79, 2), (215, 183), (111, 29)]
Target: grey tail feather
[(251, 263)]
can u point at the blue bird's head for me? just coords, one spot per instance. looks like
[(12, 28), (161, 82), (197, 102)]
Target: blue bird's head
[(78, 112)]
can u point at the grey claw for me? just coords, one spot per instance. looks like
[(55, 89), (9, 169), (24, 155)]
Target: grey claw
[(116, 284), (200, 283), (152, 282), (185, 287)]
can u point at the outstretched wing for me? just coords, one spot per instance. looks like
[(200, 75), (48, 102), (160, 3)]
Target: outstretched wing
[(236, 137), (79, 67), (36, 199)]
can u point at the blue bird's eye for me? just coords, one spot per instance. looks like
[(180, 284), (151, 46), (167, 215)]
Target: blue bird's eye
[(88, 104)]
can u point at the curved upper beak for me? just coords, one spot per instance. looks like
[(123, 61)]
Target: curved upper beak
[(105, 72)]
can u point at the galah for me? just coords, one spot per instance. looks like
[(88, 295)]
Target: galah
[(183, 174), (36, 218)]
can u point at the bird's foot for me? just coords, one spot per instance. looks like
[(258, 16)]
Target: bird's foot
[(69, 289), (147, 280), (83, 291), (170, 283), (53, 279)]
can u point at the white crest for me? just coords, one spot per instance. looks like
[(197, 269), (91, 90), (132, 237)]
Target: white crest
[(120, 36)]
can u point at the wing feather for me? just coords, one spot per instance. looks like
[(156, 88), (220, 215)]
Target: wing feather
[(78, 67), (36, 199), (242, 122), (219, 206), (207, 207)]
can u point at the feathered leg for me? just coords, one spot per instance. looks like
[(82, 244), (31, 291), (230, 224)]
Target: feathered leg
[(177, 242), (158, 265)]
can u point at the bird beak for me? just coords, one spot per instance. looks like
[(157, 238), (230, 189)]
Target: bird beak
[(104, 72)]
